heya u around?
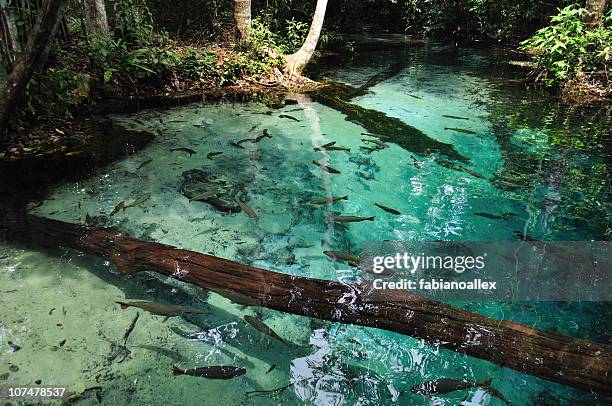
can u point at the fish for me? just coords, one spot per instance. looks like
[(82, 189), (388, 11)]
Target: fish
[(343, 256), (253, 128), (326, 168), (412, 95), (198, 335), (388, 209), (262, 136), (329, 144), (237, 298), (460, 130), (376, 135), (161, 309), (130, 328), (376, 142), (256, 139), (270, 369), (250, 212), (417, 164), (173, 355), (350, 219), (289, 117), (441, 386), (212, 372), (118, 207), (242, 141), (504, 216), (525, 237), (452, 165), (328, 200), (472, 172), (454, 117), (140, 199), (497, 394), (211, 155), (203, 196), (183, 149), (235, 144), (332, 148), (263, 328), (144, 163)]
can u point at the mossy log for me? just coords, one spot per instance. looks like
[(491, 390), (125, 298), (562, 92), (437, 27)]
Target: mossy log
[(575, 362)]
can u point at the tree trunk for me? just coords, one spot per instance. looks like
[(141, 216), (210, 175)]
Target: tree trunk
[(579, 363), (595, 14), (95, 17), (32, 59), (242, 16), (296, 62), (12, 35)]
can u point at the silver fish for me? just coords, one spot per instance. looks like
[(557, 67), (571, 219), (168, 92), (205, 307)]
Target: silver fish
[(250, 212), (343, 256), (350, 219), (262, 327), (441, 386), (328, 200), (376, 142), (204, 195), (460, 130), (137, 201), (212, 372), (161, 309)]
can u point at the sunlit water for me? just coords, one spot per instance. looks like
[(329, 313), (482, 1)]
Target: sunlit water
[(556, 191)]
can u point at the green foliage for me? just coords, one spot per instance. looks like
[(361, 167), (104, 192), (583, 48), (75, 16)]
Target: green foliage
[(55, 93), (295, 34), (568, 47), (134, 22), (484, 19), (288, 40)]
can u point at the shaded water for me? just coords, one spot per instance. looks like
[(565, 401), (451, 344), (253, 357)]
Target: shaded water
[(542, 161)]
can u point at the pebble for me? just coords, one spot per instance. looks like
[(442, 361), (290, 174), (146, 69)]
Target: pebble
[(14, 346)]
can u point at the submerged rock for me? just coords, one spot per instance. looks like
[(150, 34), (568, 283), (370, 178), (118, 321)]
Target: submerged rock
[(196, 181)]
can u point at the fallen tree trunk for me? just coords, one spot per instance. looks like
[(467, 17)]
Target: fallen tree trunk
[(579, 363)]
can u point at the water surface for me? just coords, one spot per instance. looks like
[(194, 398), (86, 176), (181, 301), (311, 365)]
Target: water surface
[(540, 160)]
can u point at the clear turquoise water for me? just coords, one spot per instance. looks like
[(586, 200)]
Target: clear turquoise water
[(542, 160)]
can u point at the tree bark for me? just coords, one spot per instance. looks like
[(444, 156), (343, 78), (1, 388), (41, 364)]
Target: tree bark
[(579, 363), (12, 42), (297, 61), (242, 16), (95, 17), (595, 14), (32, 59)]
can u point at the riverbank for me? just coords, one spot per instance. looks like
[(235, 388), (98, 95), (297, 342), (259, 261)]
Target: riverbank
[(88, 77)]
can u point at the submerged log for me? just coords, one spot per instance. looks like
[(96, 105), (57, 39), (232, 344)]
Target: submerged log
[(395, 130), (575, 362)]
